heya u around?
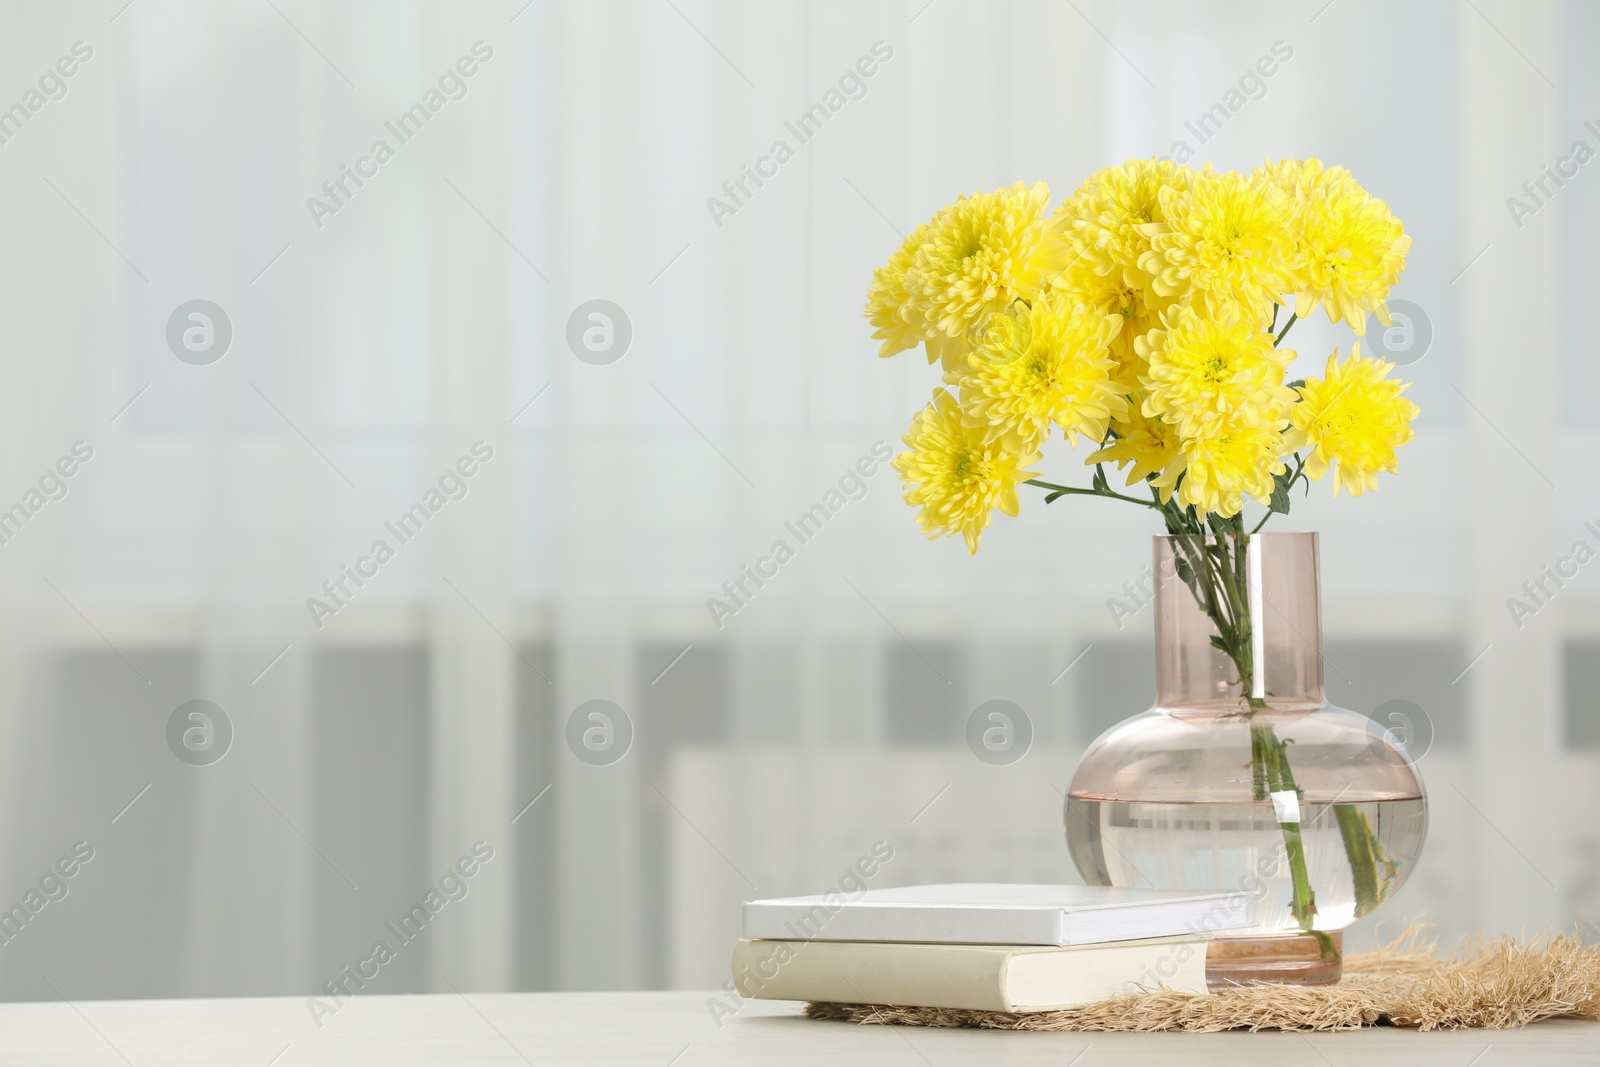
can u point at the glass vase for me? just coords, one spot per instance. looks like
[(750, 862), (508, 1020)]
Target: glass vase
[(1243, 778)]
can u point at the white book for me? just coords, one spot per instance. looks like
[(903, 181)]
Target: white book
[(994, 914), (977, 977)]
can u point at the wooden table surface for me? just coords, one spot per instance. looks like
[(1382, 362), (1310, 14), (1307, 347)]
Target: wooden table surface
[(677, 1029)]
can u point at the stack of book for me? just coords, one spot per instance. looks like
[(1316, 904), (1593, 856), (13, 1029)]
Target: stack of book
[(1012, 948)]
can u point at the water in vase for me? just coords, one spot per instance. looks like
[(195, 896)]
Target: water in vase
[(1240, 848)]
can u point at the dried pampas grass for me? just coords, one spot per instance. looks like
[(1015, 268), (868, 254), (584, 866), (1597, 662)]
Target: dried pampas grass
[(1494, 985)]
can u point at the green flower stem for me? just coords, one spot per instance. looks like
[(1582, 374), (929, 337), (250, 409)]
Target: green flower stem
[(1279, 338), (1371, 869), (1299, 471), (1065, 490), (1357, 835)]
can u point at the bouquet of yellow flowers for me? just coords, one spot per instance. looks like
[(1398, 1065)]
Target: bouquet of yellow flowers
[(1142, 315)]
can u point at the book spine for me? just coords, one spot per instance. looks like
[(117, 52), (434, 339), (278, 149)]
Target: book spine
[(869, 973)]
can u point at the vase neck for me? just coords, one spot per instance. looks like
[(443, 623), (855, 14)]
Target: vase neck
[(1238, 621)]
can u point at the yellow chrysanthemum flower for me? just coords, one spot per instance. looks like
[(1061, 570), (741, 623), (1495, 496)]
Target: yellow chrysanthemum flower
[(1301, 178), (983, 252), (1224, 240), (898, 322), (1140, 311), (1206, 372), (1149, 445), (1221, 468), (956, 475), (1049, 363), (1352, 420), (951, 353), (1349, 248), (1109, 217)]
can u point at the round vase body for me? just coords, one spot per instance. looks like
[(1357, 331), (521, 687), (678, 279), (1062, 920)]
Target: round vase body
[(1307, 815)]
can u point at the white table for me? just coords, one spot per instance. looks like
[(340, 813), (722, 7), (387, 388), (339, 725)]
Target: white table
[(662, 1029)]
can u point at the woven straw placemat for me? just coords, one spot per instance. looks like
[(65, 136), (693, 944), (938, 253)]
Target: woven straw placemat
[(1494, 985)]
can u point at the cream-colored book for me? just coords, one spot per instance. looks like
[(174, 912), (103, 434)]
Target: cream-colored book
[(1015, 978)]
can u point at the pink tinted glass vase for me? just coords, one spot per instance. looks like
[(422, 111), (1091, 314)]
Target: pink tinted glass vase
[(1243, 778)]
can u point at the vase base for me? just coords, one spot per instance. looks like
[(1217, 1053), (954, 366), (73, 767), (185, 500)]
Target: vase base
[(1292, 959)]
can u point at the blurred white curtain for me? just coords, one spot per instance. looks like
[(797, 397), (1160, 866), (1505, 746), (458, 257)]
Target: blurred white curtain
[(369, 354), (430, 312)]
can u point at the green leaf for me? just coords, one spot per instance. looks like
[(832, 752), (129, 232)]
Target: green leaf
[(1297, 383), (1279, 504)]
